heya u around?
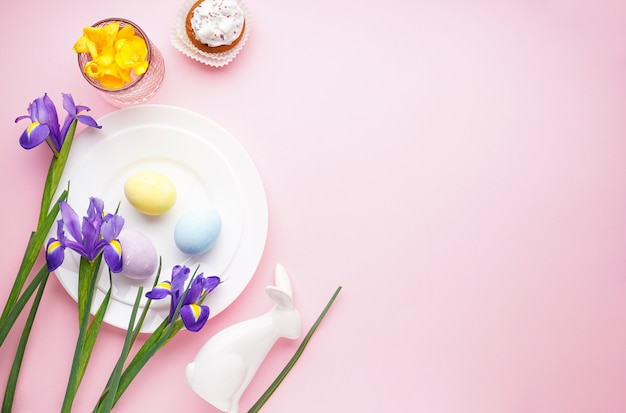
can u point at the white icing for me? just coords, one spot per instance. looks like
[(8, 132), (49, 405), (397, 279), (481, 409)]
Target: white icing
[(217, 22)]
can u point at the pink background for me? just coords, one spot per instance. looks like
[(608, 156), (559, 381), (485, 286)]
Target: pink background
[(458, 169)]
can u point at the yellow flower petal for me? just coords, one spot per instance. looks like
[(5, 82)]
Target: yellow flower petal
[(131, 52), (141, 68), (126, 32), (106, 56), (115, 52), (100, 38), (108, 32), (93, 70), (111, 82), (81, 45)]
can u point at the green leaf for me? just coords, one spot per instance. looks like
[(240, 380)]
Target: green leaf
[(9, 392), (33, 249), (11, 316), (268, 393)]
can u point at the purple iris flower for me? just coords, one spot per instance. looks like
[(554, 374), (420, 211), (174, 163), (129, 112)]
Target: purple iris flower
[(194, 315), (45, 122), (97, 234), (75, 112)]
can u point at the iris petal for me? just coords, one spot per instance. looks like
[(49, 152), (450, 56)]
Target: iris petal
[(43, 114), (89, 121), (35, 134), (112, 226), (43, 110), (180, 273), (19, 118), (95, 209), (113, 255), (195, 290), (55, 254), (75, 112), (69, 105), (60, 232), (194, 316), (70, 219), (211, 283), (91, 238), (161, 290), (92, 225), (78, 247)]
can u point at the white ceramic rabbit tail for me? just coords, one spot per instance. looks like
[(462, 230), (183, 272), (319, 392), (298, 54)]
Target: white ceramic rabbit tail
[(228, 361)]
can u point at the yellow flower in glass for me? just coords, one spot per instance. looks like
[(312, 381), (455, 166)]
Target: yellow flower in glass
[(117, 54)]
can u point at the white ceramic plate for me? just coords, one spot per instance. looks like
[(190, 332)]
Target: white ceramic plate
[(207, 166)]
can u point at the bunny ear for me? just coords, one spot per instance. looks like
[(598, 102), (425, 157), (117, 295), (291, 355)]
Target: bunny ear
[(280, 297), (281, 280)]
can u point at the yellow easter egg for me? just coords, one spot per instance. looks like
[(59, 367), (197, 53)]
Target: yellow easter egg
[(150, 192)]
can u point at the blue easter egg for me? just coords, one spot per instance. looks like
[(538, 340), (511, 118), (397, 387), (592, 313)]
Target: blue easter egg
[(197, 230)]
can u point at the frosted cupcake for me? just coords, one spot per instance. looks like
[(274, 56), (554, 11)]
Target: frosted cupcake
[(211, 31), (215, 26)]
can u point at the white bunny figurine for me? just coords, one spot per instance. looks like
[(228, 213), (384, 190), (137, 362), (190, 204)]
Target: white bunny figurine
[(228, 361)]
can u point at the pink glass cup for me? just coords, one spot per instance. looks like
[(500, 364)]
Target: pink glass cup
[(141, 88)]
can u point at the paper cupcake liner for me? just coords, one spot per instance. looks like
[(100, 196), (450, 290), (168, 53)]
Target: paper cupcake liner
[(180, 40)]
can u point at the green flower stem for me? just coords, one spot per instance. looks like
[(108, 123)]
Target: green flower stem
[(146, 308), (92, 332), (55, 171), (33, 249), (117, 371), (87, 277), (268, 393), (135, 328), (9, 392)]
